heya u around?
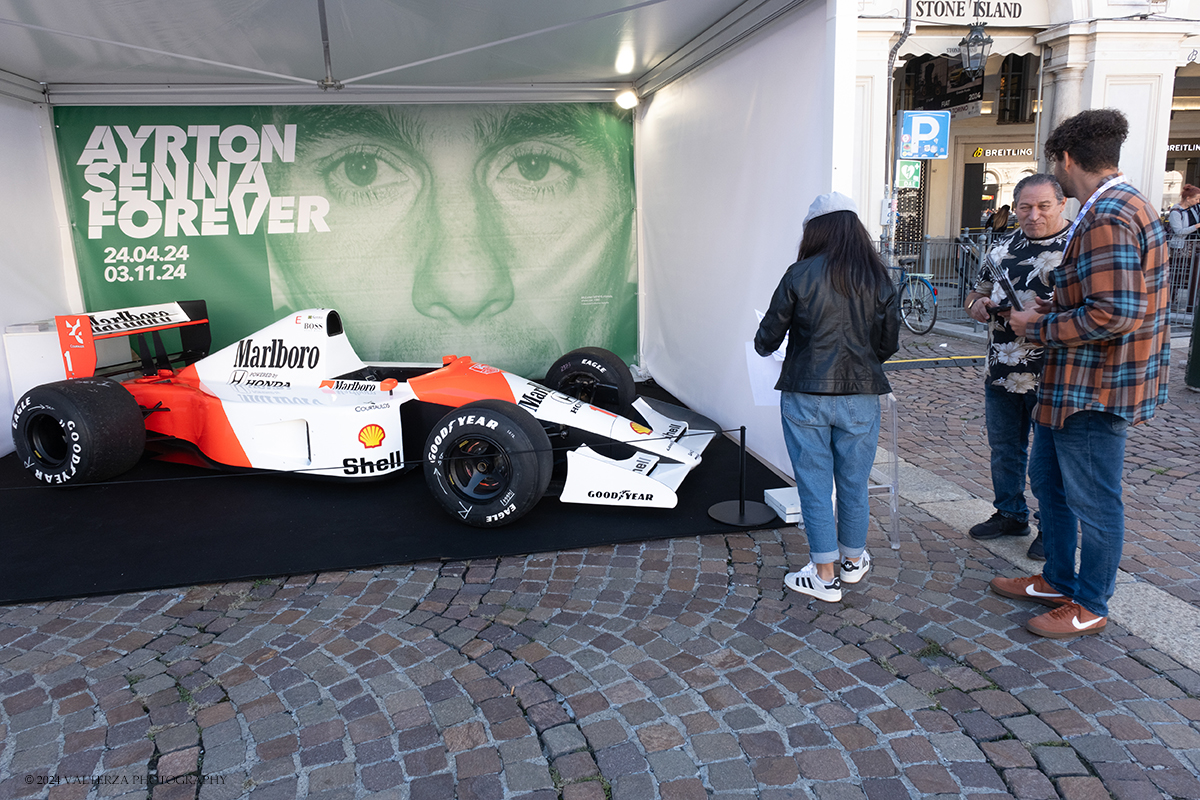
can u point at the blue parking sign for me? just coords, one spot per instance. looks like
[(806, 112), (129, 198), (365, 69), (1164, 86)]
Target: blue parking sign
[(924, 134)]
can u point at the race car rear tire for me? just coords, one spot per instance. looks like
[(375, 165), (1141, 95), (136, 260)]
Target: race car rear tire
[(596, 376), (488, 463), (78, 431)]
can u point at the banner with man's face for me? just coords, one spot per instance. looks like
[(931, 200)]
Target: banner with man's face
[(502, 232)]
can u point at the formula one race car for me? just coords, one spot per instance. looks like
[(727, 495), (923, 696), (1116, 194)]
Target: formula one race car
[(295, 397)]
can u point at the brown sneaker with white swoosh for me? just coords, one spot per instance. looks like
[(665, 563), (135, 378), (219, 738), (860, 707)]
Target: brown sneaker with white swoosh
[(1035, 588), (1065, 622)]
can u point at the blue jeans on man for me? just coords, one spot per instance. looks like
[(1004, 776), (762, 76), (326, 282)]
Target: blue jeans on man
[(1076, 475), (831, 440), (1009, 421)]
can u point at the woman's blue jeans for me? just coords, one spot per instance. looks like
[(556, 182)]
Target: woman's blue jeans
[(831, 440), (1075, 471)]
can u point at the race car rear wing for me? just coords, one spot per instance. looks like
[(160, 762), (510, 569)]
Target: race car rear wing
[(78, 334)]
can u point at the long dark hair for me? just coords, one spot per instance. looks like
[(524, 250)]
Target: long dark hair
[(853, 263)]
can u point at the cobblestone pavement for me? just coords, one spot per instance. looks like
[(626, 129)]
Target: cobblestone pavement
[(663, 670)]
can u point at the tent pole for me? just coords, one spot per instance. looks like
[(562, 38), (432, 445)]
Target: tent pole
[(890, 156), (328, 81)]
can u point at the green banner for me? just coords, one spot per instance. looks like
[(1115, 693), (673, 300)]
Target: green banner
[(501, 232)]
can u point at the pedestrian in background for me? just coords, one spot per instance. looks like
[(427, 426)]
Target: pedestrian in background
[(1184, 216), (1028, 256), (1107, 341), (837, 306), (1183, 220), (998, 222)]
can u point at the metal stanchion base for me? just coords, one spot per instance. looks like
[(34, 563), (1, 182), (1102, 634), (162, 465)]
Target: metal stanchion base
[(730, 512)]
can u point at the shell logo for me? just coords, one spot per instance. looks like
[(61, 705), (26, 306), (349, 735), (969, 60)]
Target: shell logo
[(642, 429), (371, 436)]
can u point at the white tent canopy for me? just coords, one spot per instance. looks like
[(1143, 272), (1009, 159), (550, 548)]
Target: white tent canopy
[(249, 51)]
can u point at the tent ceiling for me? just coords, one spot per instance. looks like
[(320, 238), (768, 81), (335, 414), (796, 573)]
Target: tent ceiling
[(228, 51)]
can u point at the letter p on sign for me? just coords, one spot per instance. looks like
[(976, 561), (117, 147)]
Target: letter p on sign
[(924, 134)]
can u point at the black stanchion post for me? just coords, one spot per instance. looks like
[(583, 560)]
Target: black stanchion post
[(739, 512), (742, 471)]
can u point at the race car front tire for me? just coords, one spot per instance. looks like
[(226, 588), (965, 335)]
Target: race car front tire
[(596, 376), (78, 431), (488, 463)]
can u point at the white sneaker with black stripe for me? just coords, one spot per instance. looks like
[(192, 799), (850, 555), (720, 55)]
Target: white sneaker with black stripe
[(807, 581), (853, 572)]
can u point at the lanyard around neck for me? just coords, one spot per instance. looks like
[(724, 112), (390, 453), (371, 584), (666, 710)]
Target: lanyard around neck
[(1108, 184)]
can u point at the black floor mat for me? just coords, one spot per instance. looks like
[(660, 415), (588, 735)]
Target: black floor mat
[(163, 525)]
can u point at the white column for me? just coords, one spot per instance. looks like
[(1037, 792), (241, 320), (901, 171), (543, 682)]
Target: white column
[(1068, 93), (873, 116), (840, 32), (1123, 64)]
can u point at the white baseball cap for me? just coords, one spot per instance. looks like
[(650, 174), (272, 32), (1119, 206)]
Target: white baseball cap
[(829, 203)]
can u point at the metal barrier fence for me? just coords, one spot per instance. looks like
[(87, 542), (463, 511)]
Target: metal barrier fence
[(1184, 278), (954, 264), (951, 264)]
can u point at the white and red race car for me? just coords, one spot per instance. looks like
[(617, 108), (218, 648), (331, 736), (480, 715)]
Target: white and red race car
[(295, 397)]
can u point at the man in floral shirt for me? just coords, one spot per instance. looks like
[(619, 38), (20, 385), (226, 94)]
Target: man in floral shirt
[(1028, 256)]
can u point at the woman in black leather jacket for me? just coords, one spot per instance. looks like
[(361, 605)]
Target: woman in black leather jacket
[(837, 307)]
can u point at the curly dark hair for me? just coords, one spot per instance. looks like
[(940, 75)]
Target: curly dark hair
[(1093, 138)]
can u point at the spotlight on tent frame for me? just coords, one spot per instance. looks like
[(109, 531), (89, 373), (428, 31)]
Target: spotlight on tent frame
[(627, 99)]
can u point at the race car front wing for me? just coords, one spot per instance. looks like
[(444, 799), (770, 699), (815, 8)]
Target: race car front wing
[(644, 479)]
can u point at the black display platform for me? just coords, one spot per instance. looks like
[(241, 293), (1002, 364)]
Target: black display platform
[(163, 525)]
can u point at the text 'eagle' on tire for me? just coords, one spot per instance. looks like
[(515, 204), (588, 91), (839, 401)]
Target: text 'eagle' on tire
[(78, 431), (488, 463), (594, 375)]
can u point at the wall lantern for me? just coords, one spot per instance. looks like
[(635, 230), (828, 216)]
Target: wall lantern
[(974, 49)]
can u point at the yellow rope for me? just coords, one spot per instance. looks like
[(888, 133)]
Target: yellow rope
[(938, 358)]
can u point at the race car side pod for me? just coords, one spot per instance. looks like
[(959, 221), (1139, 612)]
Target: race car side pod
[(704, 436), (739, 512), (400, 466)]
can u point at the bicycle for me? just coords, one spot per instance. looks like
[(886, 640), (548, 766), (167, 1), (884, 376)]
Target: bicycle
[(918, 297), (970, 252)]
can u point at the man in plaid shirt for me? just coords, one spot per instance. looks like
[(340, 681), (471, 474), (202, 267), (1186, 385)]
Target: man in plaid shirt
[(1107, 347)]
